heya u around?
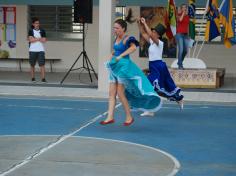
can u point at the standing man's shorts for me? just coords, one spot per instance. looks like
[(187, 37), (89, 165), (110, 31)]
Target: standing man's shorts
[(37, 56)]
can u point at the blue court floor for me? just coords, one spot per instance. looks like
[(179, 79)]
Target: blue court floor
[(202, 137)]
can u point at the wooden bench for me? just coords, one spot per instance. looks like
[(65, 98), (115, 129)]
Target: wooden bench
[(197, 78), (21, 60)]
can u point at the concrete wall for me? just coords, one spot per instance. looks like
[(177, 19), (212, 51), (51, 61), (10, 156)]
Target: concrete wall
[(68, 51), (214, 55)]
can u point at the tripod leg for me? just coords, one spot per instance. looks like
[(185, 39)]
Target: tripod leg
[(86, 61), (90, 65), (71, 68)]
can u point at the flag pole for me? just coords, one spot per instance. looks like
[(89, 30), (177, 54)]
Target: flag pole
[(221, 5), (195, 47), (200, 48), (197, 41)]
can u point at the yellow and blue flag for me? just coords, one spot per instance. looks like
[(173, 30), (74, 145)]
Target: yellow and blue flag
[(228, 22), (213, 21)]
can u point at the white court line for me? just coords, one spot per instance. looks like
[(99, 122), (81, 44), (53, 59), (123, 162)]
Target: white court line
[(85, 109), (203, 107), (69, 108), (55, 99), (92, 99), (176, 162), (51, 145), (45, 107)]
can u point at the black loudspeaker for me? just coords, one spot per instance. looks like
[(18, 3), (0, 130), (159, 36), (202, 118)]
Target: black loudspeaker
[(83, 11)]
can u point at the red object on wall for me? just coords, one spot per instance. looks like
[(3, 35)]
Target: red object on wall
[(9, 15)]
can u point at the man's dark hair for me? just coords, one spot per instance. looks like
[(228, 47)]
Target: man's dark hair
[(35, 19)]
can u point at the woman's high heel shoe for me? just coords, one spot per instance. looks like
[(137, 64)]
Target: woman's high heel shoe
[(128, 123), (107, 122)]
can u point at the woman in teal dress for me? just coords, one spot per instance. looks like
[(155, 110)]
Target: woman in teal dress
[(127, 80)]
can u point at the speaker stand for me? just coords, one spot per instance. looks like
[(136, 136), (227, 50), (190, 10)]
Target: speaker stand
[(86, 63)]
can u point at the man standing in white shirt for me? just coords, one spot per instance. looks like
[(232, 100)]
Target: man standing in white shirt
[(37, 37)]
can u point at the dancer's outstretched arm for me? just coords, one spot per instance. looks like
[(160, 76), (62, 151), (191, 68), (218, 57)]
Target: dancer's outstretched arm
[(149, 31), (142, 31)]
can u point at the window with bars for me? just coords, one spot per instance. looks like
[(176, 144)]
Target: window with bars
[(58, 21), (120, 12)]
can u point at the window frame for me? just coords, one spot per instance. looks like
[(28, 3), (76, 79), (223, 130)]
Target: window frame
[(76, 32), (57, 34)]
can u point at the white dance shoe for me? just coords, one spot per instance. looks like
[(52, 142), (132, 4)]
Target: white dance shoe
[(146, 113), (181, 104)]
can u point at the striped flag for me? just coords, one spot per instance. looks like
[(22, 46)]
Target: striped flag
[(228, 22), (171, 19), (213, 24), (191, 13)]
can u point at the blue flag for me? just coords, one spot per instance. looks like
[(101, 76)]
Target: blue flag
[(228, 22), (213, 24)]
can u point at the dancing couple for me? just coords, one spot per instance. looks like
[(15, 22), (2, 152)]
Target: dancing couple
[(126, 79)]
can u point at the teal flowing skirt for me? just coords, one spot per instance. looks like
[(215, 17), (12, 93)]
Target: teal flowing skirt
[(138, 89)]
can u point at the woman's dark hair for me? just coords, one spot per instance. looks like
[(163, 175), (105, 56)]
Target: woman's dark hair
[(128, 18)]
